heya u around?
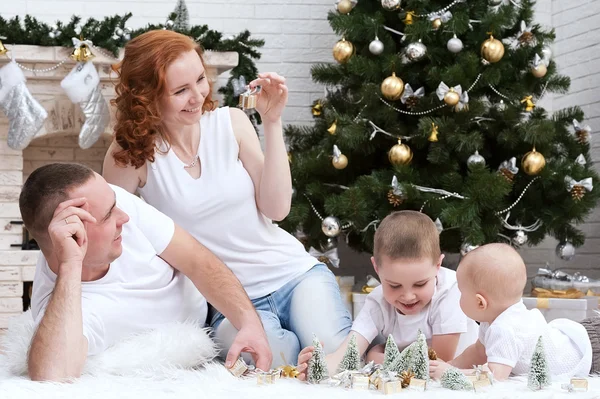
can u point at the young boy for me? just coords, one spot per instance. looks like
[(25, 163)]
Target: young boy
[(491, 280), (415, 294)]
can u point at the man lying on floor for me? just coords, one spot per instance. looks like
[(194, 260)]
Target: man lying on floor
[(112, 266)]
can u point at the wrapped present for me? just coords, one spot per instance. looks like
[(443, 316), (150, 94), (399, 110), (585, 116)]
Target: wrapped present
[(239, 367), (391, 387), (558, 308), (479, 385), (360, 382), (559, 284), (417, 384)]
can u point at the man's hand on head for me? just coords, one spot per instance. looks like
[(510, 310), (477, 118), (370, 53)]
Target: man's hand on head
[(67, 232)]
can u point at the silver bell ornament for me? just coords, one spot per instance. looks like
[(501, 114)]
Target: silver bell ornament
[(565, 251), (455, 45), (520, 238), (331, 226), (376, 46)]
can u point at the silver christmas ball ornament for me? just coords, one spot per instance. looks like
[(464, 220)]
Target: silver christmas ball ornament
[(169, 24), (466, 248), (52, 35), (391, 4), (119, 32), (455, 45), (565, 251), (376, 46), (476, 159), (331, 226), (520, 238), (416, 51)]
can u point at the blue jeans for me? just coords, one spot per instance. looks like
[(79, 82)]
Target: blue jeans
[(309, 304)]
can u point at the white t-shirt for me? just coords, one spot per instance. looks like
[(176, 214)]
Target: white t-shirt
[(441, 316), (140, 291), (512, 337)]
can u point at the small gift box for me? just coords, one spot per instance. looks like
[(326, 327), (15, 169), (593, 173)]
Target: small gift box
[(239, 368), (248, 98), (391, 387), (557, 308), (360, 382), (417, 384)]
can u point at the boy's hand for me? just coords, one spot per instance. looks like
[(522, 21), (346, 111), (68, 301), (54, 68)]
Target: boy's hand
[(437, 368), (303, 357)]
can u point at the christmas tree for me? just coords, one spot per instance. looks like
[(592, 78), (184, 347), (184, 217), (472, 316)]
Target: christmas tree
[(433, 106), (351, 359), (539, 373), (454, 379), (182, 19), (420, 362), (404, 361), (391, 352), (317, 366)]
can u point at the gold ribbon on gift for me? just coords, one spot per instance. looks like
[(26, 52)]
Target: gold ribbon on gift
[(543, 293)]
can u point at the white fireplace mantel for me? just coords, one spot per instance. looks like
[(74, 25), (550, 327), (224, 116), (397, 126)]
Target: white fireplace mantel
[(55, 142)]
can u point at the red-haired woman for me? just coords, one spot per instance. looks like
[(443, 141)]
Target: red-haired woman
[(203, 166)]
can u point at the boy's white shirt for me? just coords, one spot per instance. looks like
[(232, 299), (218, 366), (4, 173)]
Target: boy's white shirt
[(441, 316), (512, 337)]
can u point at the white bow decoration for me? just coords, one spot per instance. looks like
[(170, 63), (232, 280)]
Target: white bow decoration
[(537, 61), (331, 254), (579, 128), (443, 16), (580, 160), (510, 165), (409, 92), (585, 183), (78, 43), (443, 89), (463, 102), (239, 85), (396, 188)]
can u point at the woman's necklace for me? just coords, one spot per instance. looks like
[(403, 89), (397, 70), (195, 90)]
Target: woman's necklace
[(193, 163)]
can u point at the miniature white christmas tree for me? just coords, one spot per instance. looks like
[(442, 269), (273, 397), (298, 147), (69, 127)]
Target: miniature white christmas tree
[(420, 358), (404, 360), (317, 366), (453, 379), (391, 352), (182, 21), (539, 373), (351, 359)]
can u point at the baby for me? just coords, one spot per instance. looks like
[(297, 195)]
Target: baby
[(491, 280), (416, 293)]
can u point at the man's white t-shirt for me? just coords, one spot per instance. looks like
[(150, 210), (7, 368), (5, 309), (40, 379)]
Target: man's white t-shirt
[(441, 316), (512, 337), (140, 291)]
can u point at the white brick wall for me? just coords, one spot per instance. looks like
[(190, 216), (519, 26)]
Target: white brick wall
[(297, 35)]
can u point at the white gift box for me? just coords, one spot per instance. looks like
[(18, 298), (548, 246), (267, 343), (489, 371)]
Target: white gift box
[(346, 283), (563, 308)]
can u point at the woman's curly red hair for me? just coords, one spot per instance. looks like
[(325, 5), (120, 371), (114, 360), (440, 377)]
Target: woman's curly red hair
[(141, 84)]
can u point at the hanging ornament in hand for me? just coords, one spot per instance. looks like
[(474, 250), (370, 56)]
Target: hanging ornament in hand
[(529, 104), (400, 154), (82, 52), (509, 169), (466, 248), (520, 238), (82, 86), (538, 68), (583, 133), (578, 188), (439, 18), (332, 128), (411, 98), (331, 226), (317, 109), (492, 50), (340, 161), (391, 5), (450, 95), (415, 51), (376, 46), (344, 6), (392, 87), (343, 50), (25, 115), (433, 137), (396, 194), (565, 251), (455, 45), (3, 49), (476, 159), (533, 162)]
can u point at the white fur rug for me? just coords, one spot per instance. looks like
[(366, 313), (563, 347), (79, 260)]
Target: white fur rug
[(165, 364)]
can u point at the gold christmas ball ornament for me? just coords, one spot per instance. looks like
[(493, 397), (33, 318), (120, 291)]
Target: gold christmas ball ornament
[(340, 162), (436, 23), (82, 54), (392, 87), (400, 154), (451, 97), (344, 6), (342, 51), (539, 71), (492, 50), (533, 162)]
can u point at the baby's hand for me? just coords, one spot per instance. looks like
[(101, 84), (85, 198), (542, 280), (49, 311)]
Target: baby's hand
[(303, 357), (437, 368)]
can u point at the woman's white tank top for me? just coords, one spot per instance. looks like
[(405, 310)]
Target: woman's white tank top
[(219, 209)]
